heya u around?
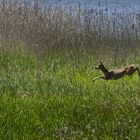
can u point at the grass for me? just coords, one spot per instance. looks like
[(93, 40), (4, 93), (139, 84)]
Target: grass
[(47, 61), (57, 100)]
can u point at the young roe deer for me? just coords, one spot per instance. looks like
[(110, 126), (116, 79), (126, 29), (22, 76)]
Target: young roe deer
[(117, 73)]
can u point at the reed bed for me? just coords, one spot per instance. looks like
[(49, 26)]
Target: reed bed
[(47, 59), (72, 30)]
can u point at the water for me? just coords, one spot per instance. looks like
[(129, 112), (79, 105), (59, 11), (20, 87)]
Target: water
[(111, 5), (125, 12)]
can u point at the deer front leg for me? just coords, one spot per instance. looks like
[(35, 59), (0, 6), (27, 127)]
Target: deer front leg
[(100, 77)]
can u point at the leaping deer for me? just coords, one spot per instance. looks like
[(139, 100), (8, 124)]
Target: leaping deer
[(116, 74)]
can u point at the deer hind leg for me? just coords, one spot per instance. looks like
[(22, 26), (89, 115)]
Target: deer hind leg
[(132, 71), (137, 69)]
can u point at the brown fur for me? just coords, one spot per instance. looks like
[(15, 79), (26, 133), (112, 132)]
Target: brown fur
[(117, 73)]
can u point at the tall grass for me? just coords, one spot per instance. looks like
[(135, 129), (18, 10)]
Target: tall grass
[(73, 30), (47, 63)]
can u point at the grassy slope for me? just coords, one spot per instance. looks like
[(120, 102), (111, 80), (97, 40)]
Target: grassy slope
[(59, 100)]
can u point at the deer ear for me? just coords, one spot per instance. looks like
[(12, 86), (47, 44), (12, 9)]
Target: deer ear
[(100, 62)]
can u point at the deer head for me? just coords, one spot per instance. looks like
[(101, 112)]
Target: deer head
[(100, 65)]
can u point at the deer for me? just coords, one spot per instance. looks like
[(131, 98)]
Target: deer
[(117, 73)]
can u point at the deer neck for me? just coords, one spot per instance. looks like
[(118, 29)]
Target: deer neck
[(104, 70)]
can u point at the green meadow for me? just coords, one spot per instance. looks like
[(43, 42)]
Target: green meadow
[(58, 100), (47, 64)]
